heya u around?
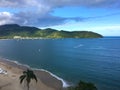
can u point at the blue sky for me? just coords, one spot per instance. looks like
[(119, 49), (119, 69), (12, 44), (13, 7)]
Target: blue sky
[(104, 21), (101, 16)]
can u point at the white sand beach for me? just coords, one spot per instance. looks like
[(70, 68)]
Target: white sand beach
[(10, 73)]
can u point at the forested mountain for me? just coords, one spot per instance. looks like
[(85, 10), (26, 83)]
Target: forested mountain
[(13, 30)]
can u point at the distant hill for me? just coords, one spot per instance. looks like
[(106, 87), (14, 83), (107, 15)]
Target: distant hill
[(14, 30)]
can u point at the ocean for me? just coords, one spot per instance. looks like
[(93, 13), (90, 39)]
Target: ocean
[(91, 60)]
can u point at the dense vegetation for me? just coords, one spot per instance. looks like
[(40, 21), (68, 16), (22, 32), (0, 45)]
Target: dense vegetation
[(12, 30), (83, 86)]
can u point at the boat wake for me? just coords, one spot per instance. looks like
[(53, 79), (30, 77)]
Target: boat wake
[(80, 45)]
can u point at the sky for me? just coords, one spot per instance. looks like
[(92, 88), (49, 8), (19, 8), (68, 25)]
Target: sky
[(101, 16)]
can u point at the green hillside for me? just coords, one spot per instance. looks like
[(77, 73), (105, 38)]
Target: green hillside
[(16, 31)]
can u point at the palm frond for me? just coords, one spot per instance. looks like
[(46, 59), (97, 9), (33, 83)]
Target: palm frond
[(34, 77), (22, 78)]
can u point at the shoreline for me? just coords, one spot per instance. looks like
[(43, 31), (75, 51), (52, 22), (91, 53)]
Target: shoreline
[(41, 38), (38, 71)]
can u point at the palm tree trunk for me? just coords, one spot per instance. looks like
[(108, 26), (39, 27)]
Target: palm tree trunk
[(27, 86)]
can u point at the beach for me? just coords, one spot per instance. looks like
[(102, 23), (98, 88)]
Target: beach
[(10, 73)]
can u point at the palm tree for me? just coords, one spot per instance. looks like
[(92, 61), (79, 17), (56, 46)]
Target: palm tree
[(27, 75)]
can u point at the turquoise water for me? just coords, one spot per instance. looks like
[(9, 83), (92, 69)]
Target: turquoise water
[(94, 60)]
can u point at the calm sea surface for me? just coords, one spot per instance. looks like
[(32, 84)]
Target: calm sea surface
[(94, 60)]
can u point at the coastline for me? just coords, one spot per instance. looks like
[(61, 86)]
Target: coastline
[(47, 78)]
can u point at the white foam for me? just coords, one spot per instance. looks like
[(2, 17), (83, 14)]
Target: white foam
[(65, 84), (16, 62)]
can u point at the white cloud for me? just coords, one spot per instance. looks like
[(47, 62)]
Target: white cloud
[(36, 11), (5, 17), (9, 18)]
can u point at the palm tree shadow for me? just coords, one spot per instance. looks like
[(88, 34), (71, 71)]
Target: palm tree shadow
[(5, 85)]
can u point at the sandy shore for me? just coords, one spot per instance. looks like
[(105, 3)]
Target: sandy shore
[(10, 81)]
